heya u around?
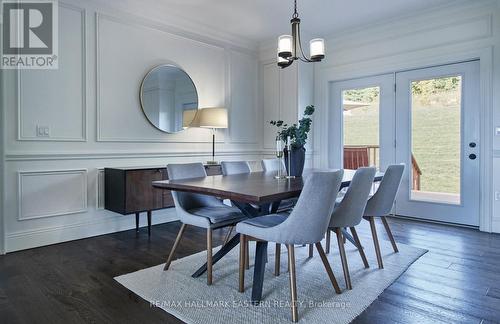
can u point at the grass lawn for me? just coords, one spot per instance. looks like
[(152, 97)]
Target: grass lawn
[(436, 141)]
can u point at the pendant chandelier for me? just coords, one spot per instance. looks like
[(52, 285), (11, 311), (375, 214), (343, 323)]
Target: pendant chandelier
[(290, 47)]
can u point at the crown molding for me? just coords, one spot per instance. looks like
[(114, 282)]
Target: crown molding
[(448, 9), (175, 24)]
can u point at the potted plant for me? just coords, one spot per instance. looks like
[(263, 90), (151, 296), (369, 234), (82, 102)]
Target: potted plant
[(298, 138)]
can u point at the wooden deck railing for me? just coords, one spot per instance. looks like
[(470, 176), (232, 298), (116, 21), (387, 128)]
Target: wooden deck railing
[(356, 156)]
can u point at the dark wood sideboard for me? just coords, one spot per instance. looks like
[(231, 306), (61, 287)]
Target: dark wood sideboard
[(128, 190)]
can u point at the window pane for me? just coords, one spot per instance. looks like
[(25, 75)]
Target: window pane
[(361, 127), (436, 139)]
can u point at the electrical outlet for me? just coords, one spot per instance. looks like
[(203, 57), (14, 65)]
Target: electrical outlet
[(497, 195), (42, 131)]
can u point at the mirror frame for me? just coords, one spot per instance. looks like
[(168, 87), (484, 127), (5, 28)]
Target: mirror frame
[(142, 88)]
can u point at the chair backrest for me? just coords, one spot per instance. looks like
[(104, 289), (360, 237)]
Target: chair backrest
[(186, 200), (186, 171), (309, 219), (382, 201), (235, 167), (269, 165), (350, 211)]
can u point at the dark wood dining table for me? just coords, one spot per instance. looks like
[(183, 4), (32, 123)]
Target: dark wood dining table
[(255, 194)]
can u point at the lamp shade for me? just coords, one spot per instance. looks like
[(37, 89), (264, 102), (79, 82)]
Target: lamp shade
[(317, 49), (210, 118), (285, 46)]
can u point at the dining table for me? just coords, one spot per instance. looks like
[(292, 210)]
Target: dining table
[(255, 194)]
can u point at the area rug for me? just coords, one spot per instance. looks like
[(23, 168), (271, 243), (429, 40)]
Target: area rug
[(192, 301)]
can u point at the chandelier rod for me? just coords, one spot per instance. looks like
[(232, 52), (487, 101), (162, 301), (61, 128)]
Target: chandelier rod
[(295, 13), (304, 58)]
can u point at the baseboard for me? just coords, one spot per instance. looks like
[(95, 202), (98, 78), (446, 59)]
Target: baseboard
[(108, 224), (495, 226), (416, 219)]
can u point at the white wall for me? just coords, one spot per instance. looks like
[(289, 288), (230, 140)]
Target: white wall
[(91, 105), (460, 32)]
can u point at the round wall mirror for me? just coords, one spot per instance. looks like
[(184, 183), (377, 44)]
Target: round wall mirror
[(169, 98)]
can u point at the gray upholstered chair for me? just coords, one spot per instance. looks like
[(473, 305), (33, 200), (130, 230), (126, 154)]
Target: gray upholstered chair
[(199, 210), (269, 165), (273, 165), (381, 203), (349, 213), (235, 167), (306, 224)]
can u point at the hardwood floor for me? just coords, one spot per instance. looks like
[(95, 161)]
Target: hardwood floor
[(458, 281)]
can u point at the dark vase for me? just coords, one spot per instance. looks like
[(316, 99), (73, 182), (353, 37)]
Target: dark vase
[(298, 158)]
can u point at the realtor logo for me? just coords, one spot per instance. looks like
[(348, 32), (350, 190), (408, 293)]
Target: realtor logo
[(29, 38)]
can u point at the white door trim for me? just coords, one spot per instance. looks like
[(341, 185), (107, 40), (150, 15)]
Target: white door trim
[(389, 65)]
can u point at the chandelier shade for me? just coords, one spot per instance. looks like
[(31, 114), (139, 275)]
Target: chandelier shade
[(317, 49), (285, 46)]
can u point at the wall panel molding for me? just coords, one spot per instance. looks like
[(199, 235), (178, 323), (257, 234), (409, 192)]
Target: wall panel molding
[(197, 135), (27, 156), (232, 96), (99, 198), (20, 92), (61, 201)]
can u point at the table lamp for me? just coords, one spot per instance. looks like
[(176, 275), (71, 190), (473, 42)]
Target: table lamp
[(212, 118)]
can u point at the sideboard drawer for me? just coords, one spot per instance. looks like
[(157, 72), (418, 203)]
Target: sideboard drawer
[(129, 191), (140, 194)]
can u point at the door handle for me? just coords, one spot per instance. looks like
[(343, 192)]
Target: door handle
[(472, 156)]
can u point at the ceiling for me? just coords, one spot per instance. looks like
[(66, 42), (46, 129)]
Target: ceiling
[(261, 20)]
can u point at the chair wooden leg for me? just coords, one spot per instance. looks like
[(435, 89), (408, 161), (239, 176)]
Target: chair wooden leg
[(277, 260), (328, 269), (228, 235), (176, 243), (375, 242), (293, 282), (241, 287), (209, 256), (247, 253), (343, 258), (328, 234), (389, 233), (359, 246), (311, 250)]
